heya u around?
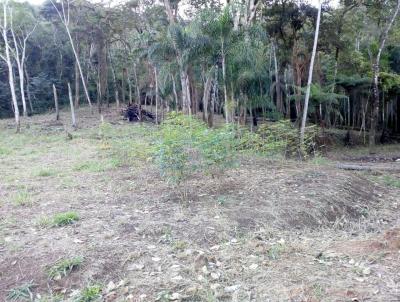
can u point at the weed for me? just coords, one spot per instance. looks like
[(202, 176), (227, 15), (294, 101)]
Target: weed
[(97, 165), (275, 251), (44, 222), (180, 245), (89, 293), (66, 218), (21, 293), (64, 267), (46, 173), (4, 151), (22, 198), (320, 160), (318, 291), (50, 298), (222, 200), (391, 181)]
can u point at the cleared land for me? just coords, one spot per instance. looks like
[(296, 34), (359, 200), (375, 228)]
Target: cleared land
[(90, 216)]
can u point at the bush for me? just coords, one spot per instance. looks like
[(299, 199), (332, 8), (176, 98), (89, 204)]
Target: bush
[(186, 144), (280, 137)]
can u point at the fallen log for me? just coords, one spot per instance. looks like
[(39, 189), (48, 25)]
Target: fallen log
[(372, 167), (353, 167)]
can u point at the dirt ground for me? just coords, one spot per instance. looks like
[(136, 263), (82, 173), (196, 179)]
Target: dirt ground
[(266, 230)]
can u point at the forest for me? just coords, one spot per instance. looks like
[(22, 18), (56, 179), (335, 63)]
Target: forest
[(199, 150), (247, 61)]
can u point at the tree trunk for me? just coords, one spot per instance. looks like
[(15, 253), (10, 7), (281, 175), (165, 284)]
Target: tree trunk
[(310, 74), (224, 81), (56, 103), (175, 93), (10, 68), (279, 104), (28, 90), (77, 83), (65, 20), (206, 96), (156, 80), (71, 103), (136, 84)]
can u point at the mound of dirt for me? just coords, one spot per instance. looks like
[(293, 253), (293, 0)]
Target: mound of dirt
[(307, 198)]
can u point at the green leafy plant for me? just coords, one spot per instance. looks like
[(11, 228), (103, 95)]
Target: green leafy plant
[(185, 145), (89, 293), (66, 218), (22, 198), (21, 293), (64, 267)]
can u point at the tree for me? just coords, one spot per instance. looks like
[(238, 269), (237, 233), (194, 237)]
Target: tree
[(64, 14), (7, 58), (20, 38), (310, 75)]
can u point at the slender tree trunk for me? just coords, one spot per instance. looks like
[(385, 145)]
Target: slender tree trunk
[(206, 95), (28, 90), (310, 74), (156, 80), (175, 93), (71, 103), (56, 103), (137, 85), (7, 58), (77, 82), (65, 20), (279, 104), (224, 80)]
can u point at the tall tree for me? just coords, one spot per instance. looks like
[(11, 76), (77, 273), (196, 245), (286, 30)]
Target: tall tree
[(310, 76), (7, 58)]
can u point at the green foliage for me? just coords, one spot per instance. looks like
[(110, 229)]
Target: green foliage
[(21, 293), (391, 181), (46, 173), (64, 267), (186, 144), (278, 138), (66, 218), (22, 198), (89, 294)]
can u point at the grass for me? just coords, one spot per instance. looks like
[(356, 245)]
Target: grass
[(64, 267), (391, 181), (46, 173), (21, 293), (4, 151), (51, 298), (97, 165), (88, 294), (66, 218), (275, 251), (180, 245), (22, 198)]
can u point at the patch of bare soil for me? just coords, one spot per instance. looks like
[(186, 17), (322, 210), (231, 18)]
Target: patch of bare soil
[(264, 231)]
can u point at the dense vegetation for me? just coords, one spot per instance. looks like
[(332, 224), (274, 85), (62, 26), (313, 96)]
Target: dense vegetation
[(247, 60)]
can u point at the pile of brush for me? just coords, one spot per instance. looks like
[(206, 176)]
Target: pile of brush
[(135, 113)]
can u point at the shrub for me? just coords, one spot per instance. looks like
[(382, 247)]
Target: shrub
[(185, 144), (280, 137)]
